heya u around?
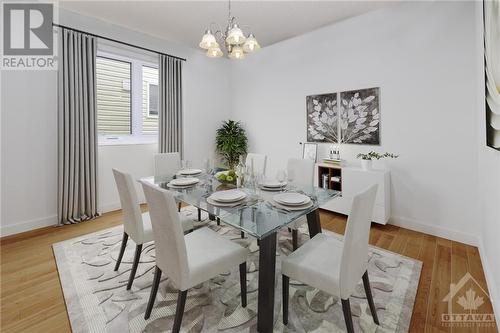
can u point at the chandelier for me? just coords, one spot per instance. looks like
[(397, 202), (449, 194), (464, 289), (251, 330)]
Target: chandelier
[(233, 39)]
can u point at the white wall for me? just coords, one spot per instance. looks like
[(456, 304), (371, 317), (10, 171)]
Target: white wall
[(489, 180), (29, 150), (136, 159), (421, 55), (29, 129)]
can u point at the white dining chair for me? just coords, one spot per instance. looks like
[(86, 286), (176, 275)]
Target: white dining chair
[(301, 171), (187, 260), (333, 265), (136, 225), (259, 162), (167, 164)]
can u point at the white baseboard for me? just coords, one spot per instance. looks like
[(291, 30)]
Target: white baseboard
[(7, 230), (447, 233), (490, 281), (109, 207)]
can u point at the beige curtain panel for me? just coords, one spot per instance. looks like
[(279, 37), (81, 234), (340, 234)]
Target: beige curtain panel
[(492, 60), (170, 100), (77, 136)]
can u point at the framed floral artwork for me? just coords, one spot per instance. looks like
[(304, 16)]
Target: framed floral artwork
[(345, 117)]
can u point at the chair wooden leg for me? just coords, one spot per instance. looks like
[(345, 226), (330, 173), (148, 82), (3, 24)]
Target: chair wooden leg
[(286, 283), (218, 221), (122, 251), (242, 234), (179, 206), (199, 215), (346, 308), (295, 239), (369, 297), (243, 284), (138, 249), (179, 312), (154, 291)]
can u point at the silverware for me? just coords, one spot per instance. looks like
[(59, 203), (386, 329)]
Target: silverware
[(245, 204), (283, 210)]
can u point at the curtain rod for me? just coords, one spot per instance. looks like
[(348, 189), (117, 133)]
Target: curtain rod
[(117, 41)]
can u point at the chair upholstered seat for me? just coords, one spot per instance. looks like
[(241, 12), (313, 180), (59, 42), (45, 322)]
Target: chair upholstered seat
[(208, 255), (147, 236), (310, 265)]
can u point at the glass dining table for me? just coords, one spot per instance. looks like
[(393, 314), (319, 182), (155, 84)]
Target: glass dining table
[(257, 217)]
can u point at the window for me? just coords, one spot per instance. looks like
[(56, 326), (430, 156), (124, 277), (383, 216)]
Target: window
[(153, 100), (114, 103), (150, 100), (127, 99)]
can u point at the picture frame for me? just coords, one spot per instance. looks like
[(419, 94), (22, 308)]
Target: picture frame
[(310, 151)]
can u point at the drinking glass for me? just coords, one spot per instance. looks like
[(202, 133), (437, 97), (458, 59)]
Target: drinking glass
[(209, 166), (258, 179)]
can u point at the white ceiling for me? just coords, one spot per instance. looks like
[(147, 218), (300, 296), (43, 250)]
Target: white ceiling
[(185, 21)]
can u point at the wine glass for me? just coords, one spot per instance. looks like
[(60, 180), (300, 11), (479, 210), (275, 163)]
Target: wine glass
[(185, 164), (281, 177), (291, 178)]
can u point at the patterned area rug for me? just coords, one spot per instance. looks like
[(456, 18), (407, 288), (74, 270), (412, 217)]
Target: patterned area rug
[(97, 300)]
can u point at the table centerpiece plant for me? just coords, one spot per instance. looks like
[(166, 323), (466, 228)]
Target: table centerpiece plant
[(230, 142)]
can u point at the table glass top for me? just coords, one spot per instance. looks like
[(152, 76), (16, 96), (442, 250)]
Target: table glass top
[(255, 215)]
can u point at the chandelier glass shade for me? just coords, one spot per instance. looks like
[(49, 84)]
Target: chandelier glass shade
[(214, 51), (234, 41), (251, 44), (208, 40), (237, 53)]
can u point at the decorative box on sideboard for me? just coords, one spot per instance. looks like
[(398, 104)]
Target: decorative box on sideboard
[(351, 180)]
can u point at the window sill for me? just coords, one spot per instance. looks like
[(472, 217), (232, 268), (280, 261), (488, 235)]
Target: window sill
[(128, 140)]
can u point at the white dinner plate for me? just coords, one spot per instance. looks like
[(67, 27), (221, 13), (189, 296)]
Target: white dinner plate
[(270, 189), (291, 199), (184, 181), (292, 208), (224, 204), (273, 184), (228, 196), (188, 172)]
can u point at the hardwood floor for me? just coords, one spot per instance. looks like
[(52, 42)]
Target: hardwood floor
[(32, 298)]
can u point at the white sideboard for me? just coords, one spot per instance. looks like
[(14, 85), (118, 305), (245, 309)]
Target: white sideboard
[(353, 180)]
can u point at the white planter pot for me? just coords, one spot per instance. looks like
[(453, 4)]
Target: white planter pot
[(366, 165)]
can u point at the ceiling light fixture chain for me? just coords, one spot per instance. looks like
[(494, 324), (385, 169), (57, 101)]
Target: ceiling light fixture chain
[(236, 44)]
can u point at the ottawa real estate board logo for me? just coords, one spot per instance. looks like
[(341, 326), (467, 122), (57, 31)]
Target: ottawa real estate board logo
[(467, 305), (28, 41)]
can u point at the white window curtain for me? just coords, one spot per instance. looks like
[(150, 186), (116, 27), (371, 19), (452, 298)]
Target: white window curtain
[(492, 68)]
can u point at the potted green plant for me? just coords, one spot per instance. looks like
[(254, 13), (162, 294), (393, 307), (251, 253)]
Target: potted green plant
[(366, 159), (231, 142)]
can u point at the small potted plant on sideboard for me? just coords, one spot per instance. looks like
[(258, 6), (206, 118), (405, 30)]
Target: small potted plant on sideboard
[(366, 159)]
